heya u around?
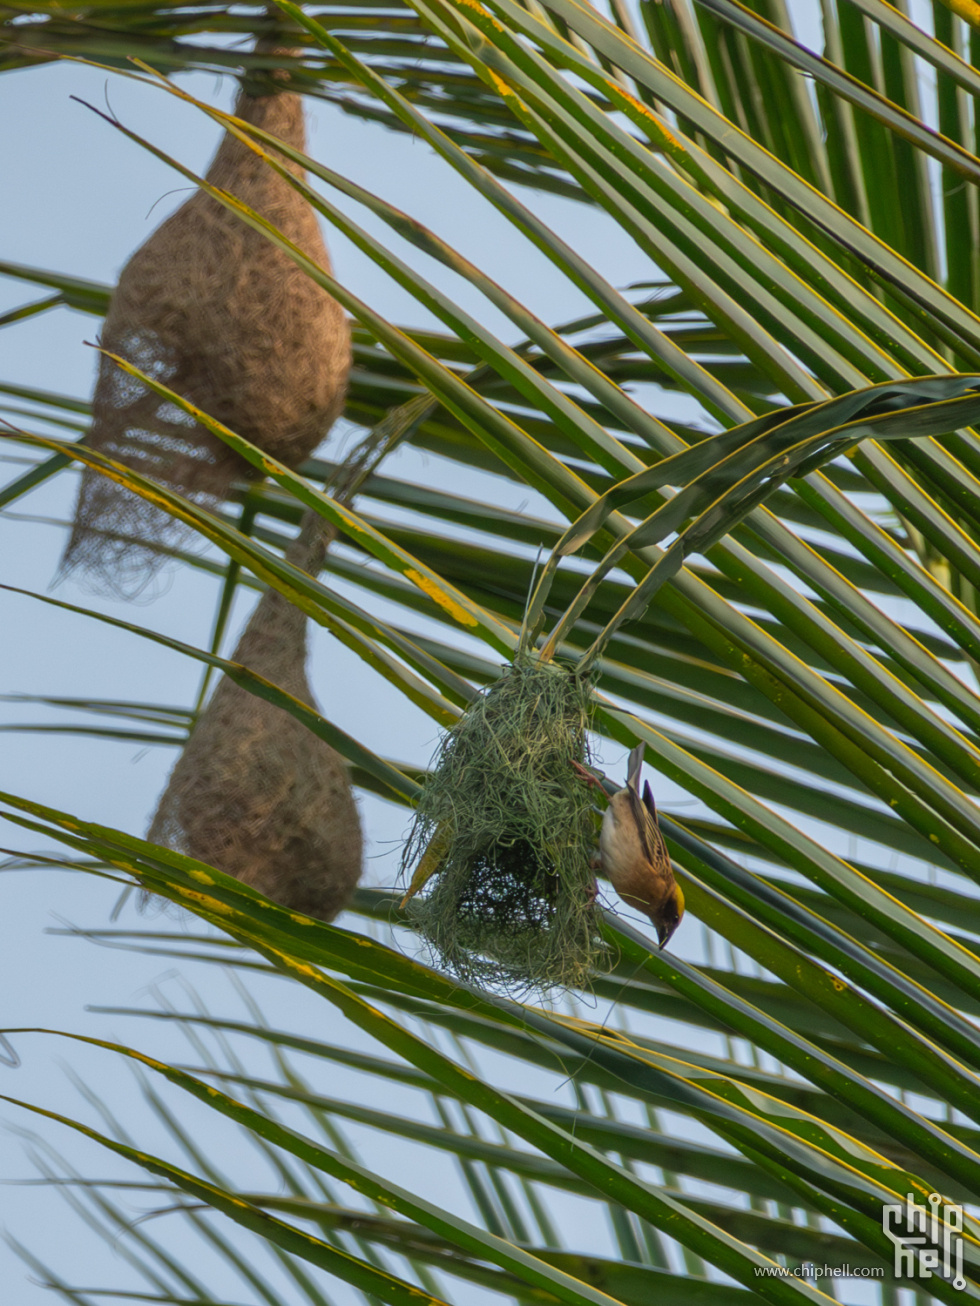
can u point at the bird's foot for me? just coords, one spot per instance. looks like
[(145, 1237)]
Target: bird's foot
[(588, 776)]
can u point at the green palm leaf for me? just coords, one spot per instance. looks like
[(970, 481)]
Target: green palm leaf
[(778, 591)]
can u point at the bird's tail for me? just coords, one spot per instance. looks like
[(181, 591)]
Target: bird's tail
[(634, 768)]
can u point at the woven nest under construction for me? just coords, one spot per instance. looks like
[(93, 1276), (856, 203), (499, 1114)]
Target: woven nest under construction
[(512, 903)]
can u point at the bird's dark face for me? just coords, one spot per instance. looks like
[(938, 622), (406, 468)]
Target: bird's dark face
[(670, 915)]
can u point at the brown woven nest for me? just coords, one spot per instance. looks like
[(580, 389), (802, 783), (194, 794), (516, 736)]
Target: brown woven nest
[(510, 826), (254, 792), (210, 308)]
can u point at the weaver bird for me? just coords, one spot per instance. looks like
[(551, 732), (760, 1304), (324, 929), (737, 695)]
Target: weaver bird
[(633, 855)]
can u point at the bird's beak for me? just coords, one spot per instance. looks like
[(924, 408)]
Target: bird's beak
[(664, 932)]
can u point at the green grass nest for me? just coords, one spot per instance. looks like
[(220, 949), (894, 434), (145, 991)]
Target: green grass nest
[(512, 903)]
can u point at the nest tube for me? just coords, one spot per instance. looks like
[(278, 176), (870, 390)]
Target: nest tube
[(254, 792), (512, 903), (212, 309)]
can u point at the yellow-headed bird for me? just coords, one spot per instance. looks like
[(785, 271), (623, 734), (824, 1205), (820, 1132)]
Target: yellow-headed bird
[(634, 856)]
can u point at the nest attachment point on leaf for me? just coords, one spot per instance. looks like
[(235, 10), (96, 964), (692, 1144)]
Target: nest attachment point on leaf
[(512, 902)]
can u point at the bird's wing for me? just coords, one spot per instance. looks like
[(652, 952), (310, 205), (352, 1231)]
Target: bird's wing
[(661, 857), (645, 812), (646, 826), (652, 839), (634, 768)]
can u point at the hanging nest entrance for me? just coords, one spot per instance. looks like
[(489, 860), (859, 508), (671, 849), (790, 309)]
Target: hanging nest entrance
[(216, 312), (507, 827), (254, 792)]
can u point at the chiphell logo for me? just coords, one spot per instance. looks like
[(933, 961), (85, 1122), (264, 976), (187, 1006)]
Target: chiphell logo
[(928, 1239)]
